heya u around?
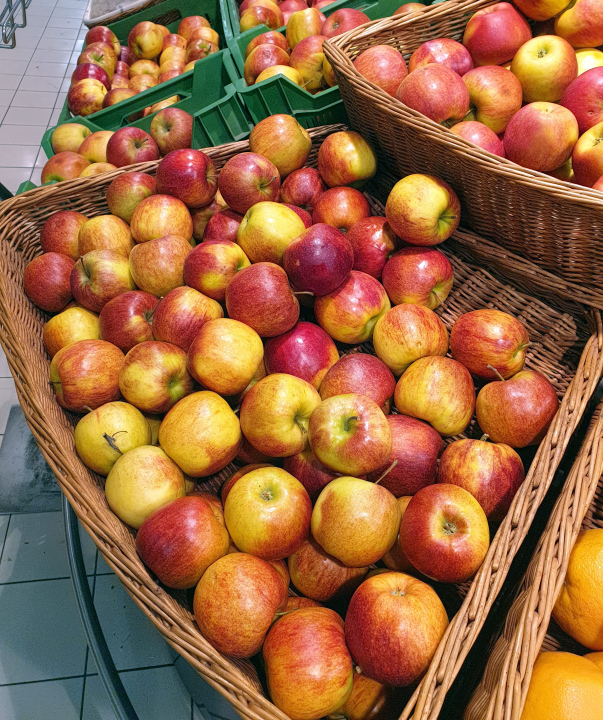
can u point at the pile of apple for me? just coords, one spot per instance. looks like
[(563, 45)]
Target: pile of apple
[(297, 54), (83, 153), (108, 73), (185, 359), (536, 100)]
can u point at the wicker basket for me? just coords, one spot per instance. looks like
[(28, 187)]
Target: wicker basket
[(556, 224), (568, 349), (529, 629)]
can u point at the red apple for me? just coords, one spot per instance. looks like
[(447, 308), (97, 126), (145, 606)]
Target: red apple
[(127, 56), (91, 70), (599, 184), (422, 210), (360, 371), (341, 207), (222, 226), (257, 14), (373, 242), (98, 277), (153, 376), (158, 216), (442, 51), (584, 99), (489, 343), (311, 473), (127, 191), (101, 33), (172, 129), (99, 53), (305, 23), (437, 92), (350, 312), (545, 66), (349, 434), (85, 375), (304, 215), (393, 626), (480, 135), (303, 188), (235, 602), (419, 275), (262, 57), (355, 521), (409, 8), (246, 179), (130, 145), (59, 234), (210, 267), (406, 333), (282, 140), (493, 35), (518, 411), (267, 513), (227, 487), (271, 37), (319, 260), (180, 315), (444, 533), (320, 576), (188, 175), (495, 95), (309, 670), (345, 158), (581, 24), (491, 472), (541, 136), (190, 23), (86, 97), (415, 447), (180, 540), (382, 65), (105, 232), (122, 68), (587, 156), (46, 281), (438, 390), (260, 296), (157, 266), (288, 7), (125, 321), (116, 95), (266, 230), (203, 215), (306, 351), (342, 20), (64, 166)]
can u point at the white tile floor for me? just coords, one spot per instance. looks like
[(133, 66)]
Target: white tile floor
[(45, 667)]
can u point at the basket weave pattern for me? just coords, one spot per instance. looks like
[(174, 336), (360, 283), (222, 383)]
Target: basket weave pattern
[(556, 224), (568, 349), (528, 628)]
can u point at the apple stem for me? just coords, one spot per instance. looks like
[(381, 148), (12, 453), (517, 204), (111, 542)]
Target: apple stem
[(303, 292), (111, 441), (494, 370), (300, 425), (347, 422), (389, 469), (438, 297), (87, 408), (236, 410), (484, 437), (150, 316)]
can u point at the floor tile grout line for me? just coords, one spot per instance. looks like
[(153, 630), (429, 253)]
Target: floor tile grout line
[(35, 682), (84, 683), (5, 536)]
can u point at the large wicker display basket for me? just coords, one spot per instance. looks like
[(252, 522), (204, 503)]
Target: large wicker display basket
[(568, 348), (529, 629), (556, 224)]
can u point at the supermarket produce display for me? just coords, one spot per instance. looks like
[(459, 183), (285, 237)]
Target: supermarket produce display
[(308, 416)]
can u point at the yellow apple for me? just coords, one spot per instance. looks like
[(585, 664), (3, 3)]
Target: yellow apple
[(285, 70), (73, 324), (588, 58), (267, 229)]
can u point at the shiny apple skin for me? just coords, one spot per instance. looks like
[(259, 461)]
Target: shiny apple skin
[(189, 175), (179, 541), (394, 558), (306, 351), (319, 576), (419, 275), (210, 267), (260, 296), (227, 487), (60, 233), (346, 158), (319, 259), (495, 95), (493, 35), (584, 98), (303, 188), (360, 371), (181, 314), (444, 533), (491, 472), (246, 179), (98, 277), (311, 473), (373, 242), (235, 602), (309, 670), (489, 337), (393, 626), (125, 321), (416, 446), (161, 215), (47, 281), (342, 20), (480, 135), (382, 65), (127, 191), (442, 51), (438, 390), (437, 92), (222, 226), (340, 207), (267, 513), (517, 411)]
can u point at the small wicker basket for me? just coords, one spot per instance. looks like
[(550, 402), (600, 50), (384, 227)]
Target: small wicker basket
[(556, 224), (502, 691), (568, 348)]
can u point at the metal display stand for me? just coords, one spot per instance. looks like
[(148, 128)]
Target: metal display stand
[(9, 22)]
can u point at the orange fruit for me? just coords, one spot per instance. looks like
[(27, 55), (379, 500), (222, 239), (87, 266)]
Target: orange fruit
[(564, 687), (579, 607)]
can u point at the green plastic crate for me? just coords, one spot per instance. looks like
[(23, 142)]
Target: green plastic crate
[(281, 95), (206, 92), (168, 13)]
